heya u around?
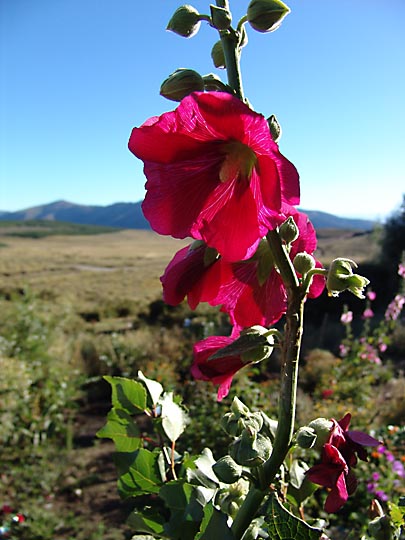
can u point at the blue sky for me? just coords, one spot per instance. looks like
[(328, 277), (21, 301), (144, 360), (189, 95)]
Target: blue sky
[(77, 75)]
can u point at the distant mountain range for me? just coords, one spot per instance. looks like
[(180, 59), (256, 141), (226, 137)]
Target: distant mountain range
[(130, 216)]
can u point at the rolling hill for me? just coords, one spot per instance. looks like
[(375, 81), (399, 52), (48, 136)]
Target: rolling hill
[(130, 216)]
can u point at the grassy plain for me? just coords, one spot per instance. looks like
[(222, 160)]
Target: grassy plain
[(104, 268)]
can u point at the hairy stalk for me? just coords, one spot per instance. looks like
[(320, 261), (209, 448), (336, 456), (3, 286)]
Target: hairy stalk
[(290, 348), (229, 40)]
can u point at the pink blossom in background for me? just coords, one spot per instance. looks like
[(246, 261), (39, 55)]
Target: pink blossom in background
[(346, 317), (371, 295), (214, 173), (368, 313), (401, 270), (343, 350), (394, 308)]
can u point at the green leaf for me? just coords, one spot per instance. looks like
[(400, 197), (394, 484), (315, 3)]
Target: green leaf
[(122, 430), (174, 418), (127, 394), (283, 525), (154, 388), (397, 514), (146, 522), (299, 488), (177, 496), (214, 525), (142, 476)]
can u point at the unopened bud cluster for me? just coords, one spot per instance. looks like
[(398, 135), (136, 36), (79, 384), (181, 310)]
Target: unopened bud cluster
[(250, 448)]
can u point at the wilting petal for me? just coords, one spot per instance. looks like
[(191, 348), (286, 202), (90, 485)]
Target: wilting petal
[(219, 371)]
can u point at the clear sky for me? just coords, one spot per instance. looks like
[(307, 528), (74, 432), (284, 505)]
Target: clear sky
[(77, 75)]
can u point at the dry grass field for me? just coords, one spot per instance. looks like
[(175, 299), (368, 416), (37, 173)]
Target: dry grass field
[(88, 269), (98, 269)]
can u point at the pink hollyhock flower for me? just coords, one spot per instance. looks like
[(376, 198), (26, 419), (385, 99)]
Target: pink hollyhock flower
[(214, 173), (219, 372), (401, 270), (346, 317), (252, 291), (241, 348), (371, 295), (368, 313)]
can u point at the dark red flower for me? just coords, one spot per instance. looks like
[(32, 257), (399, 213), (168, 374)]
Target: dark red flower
[(350, 443), (331, 473), (338, 458), (214, 173)]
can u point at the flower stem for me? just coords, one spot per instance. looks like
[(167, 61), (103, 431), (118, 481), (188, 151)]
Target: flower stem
[(290, 349), (230, 45)]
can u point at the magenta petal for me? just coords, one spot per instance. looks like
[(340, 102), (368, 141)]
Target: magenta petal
[(224, 387), (229, 221), (182, 273)]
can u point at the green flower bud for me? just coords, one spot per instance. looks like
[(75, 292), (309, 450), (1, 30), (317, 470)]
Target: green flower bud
[(341, 278), (306, 437), (266, 15), (322, 428), (241, 418), (250, 449), (217, 55), (185, 21), (221, 18), (304, 262), (227, 470), (275, 128), (289, 230), (239, 408), (181, 83), (213, 82)]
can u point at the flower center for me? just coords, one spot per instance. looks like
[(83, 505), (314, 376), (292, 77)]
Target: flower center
[(238, 163)]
